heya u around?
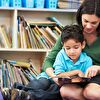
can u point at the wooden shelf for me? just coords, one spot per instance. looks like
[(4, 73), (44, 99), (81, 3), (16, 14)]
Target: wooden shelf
[(8, 17), (23, 50), (37, 9)]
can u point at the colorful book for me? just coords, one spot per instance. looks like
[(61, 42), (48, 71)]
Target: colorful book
[(4, 37), (19, 63)]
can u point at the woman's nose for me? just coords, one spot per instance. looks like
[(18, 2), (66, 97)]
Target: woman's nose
[(89, 25)]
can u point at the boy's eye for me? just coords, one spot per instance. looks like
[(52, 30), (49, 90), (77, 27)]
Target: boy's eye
[(67, 48), (76, 47)]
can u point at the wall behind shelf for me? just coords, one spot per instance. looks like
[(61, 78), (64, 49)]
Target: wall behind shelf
[(63, 17), (6, 19)]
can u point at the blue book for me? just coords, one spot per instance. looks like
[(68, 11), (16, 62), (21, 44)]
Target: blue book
[(28, 3), (16, 3), (54, 19), (51, 4), (39, 3), (4, 3)]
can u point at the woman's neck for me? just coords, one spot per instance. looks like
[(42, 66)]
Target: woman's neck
[(90, 38)]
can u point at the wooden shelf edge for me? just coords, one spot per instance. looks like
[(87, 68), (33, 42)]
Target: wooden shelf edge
[(38, 9), (24, 50)]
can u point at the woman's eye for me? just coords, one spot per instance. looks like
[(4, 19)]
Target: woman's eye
[(85, 21), (94, 23)]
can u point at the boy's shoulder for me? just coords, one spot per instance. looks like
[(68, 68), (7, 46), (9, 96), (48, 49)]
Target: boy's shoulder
[(62, 51), (85, 56), (62, 54)]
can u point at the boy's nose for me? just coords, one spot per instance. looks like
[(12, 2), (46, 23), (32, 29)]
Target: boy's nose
[(72, 50)]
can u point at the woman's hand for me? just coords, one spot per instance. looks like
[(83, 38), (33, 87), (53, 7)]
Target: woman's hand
[(92, 71)]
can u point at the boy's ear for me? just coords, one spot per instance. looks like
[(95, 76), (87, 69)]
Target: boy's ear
[(83, 44)]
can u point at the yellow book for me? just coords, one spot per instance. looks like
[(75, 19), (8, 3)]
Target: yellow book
[(46, 35), (27, 39), (45, 23), (36, 42), (21, 34), (39, 37), (57, 29), (48, 29), (4, 36), (19, 63), (31, 37)]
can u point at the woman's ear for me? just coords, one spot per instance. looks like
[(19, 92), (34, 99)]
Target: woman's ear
[(61, 42), (83, 44)]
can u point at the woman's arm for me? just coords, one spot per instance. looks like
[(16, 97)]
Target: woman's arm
[(49, 60), (93, 71)]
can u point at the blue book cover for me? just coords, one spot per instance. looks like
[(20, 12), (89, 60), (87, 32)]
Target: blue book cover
[(28, 3), (4, 3), (16, 3)]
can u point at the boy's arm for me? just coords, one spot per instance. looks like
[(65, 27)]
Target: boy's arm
[(50, 72), (71, 73)]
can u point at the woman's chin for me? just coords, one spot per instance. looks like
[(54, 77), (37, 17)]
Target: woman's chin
[(89, 32)]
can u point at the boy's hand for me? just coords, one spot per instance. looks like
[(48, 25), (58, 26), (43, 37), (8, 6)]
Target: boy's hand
[(80, 73), (56, 80)]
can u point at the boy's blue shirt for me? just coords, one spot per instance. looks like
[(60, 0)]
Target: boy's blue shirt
[(64, 64)]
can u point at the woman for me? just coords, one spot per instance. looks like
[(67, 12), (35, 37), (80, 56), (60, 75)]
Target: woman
[(88, 17)]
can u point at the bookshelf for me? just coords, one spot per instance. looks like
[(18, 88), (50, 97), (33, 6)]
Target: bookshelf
[(8, 17)]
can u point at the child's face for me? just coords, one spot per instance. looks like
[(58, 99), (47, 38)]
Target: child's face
[(73, 49)]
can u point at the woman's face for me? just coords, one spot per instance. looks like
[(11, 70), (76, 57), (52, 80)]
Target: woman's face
[(90, 23)]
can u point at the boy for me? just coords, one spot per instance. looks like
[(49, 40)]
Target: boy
[(71, 60)]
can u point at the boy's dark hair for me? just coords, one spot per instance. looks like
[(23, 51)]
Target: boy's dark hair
[(72, 32), (88, 7)]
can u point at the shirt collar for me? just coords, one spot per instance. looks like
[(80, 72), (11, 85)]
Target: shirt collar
[(81, 59)]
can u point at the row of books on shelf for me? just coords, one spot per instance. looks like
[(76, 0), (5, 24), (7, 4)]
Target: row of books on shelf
[(41, 3), (69, 4), (37, 35), (29, 3), (16, 71)]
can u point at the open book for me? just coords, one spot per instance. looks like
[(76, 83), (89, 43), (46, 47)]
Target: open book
[(73, 79)]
